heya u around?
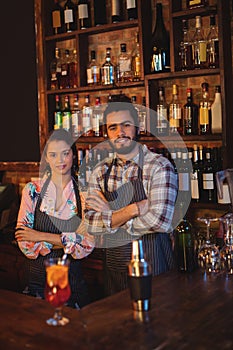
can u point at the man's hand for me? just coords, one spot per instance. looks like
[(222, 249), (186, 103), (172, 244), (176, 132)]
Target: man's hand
[(143, 207), (96, 201)]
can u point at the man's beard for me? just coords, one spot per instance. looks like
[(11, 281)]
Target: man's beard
[(125, 149)]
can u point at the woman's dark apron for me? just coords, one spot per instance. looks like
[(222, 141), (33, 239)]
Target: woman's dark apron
[(36, 275), (157, 246)]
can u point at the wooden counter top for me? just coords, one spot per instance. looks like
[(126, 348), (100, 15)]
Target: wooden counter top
[(187, 312)]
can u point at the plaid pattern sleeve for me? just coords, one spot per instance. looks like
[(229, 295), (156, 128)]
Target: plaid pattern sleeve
[(161, 186)]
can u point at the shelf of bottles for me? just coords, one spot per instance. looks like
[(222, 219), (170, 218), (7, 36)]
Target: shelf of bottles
[(77, 28), (186, 57)]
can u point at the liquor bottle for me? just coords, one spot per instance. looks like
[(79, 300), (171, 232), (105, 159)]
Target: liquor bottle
[(136, 60), (216, 112), (55, 70), (160, 45), (124, 65), (97, 118), (196, 3), (100, 12), (57, 113), (142, 116), (185, 51), (108, 69), (82, 170), (93, 70), (131, 6), (184, 246), (87, 117), (73, 70), (205, 111), (65, 70), (76, 118), (175, 113), (199, 46), (190, 115), (115, 11), (196, 176), (173, 160), (57, 17), (162, 114), (136, 106), (212, 44), (70, 16), (184, 179), (83, 14), (66, 114), (209, 190)]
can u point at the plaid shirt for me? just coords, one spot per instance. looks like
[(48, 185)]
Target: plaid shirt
[(160, 185)]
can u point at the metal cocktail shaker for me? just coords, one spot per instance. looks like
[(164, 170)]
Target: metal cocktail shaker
[(140, 278)]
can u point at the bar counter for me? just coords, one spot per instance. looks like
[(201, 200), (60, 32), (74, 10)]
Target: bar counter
[(188, 311)]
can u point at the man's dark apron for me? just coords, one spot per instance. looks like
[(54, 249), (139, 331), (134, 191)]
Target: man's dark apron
[(36, 275), (118, 252)]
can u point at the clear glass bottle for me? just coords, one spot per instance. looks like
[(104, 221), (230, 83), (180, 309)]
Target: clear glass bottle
[(162, 113), (196, 176), (108, 69), (124, 65), (136, 60), (190, 115), (212, 44), (199, 46), (83, 14), (97, 118), (87, 117), (175, 113), (73, 70), (143, 118), (93, 70), (160, 45), (185, 52), (205, 111), (70, 16), (55, 70), (66, 114), (57, 113), (216, 112), (76, 118)]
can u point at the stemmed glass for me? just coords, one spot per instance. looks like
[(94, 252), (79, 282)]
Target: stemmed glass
[(226, 253), (208, 254), (57, 288)]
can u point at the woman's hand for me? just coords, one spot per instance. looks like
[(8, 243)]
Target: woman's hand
[(96, 201), (24, 233)]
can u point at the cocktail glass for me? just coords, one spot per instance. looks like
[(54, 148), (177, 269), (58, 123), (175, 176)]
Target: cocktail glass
[(57, 288)]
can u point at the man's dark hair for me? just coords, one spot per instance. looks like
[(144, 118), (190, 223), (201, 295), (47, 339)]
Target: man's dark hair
[(121, 103)]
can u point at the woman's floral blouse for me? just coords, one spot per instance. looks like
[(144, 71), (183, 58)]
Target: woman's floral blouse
[(79, 244)]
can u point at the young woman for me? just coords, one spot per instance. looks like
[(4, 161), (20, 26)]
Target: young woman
[(49, 220)]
